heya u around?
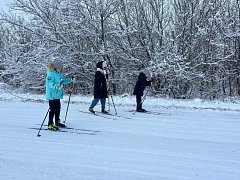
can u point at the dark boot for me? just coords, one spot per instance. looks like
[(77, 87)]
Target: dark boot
[(59, 124), (141, 110), (91, 110), (104, 111)]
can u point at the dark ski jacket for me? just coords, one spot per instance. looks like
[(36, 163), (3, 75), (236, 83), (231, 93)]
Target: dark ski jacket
[(141, 84), (100, 85)]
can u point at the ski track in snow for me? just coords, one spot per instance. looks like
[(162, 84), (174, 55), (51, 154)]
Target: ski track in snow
[(187, 145)]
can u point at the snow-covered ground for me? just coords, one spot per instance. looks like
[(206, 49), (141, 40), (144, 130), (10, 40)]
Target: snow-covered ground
[(191, 140)]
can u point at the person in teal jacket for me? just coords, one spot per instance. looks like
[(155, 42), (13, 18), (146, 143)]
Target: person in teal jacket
[(54, 92)]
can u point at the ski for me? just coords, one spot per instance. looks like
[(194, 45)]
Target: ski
[(99, 114), (66, 131), (152, 112), (76, 129), (120, 116), (116, 115)]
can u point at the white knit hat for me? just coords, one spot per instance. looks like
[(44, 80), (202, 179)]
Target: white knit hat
[(147, 72), (57, 64)]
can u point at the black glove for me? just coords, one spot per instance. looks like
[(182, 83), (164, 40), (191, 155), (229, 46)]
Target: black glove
[(74, 78)]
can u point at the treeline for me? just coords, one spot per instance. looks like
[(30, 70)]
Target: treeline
[(191, 47)]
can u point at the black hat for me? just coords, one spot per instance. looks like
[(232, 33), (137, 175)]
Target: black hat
[(101, 64)]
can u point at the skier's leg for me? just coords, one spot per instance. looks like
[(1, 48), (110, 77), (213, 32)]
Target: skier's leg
[(139, 100), (94, 103), (103, 104), (51, 112), (57, 110)]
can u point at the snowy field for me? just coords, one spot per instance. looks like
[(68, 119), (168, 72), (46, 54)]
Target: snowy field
[(191, 140)]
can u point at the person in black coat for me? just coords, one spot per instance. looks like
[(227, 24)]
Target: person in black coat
[(100, 87), (141, 84)]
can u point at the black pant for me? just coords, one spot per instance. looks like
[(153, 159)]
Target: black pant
[(139, 101), (55, 107)]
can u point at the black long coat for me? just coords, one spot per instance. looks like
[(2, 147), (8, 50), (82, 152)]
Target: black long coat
[(100, 85), (141, 84)]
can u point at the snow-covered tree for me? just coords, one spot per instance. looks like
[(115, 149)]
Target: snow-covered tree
[(192, 47)]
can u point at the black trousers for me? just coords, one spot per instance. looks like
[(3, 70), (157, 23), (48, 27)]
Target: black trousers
[(139, 100), (55, 107)]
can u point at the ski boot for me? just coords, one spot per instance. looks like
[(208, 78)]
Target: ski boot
[(59, 124), (104, 111), (91, 110), (52, 127), (141, 110)]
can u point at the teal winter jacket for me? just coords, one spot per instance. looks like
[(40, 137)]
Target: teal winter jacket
[(52, 80)]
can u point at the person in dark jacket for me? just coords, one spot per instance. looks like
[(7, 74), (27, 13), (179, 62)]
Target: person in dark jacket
[(141, 84), (100, 87)]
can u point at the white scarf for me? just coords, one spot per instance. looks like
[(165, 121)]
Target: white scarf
[(102, 71)]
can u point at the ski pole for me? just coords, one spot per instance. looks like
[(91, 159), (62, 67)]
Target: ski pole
[(44, 120), (68, 104), (108, 104), (108, 90), (114, 105)]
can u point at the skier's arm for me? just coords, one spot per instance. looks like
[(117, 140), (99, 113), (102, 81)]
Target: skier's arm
[(67, 80), (147, 83), (144, 81)]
